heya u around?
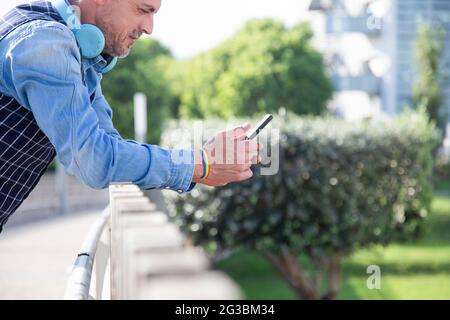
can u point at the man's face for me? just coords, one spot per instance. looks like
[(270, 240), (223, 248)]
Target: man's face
[(124, 21)]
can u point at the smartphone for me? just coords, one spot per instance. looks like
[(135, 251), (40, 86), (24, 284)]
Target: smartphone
[(264, 122)]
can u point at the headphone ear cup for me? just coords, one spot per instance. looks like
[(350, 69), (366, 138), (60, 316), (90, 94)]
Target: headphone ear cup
[(91, 40)]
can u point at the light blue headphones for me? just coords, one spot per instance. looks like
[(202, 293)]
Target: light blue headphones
[(89, 37)]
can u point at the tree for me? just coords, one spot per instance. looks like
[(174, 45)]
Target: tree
[(427, 91), (142, 71), (265, 66)]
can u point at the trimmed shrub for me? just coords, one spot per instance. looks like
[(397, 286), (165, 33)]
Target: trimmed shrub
[(341, 186)]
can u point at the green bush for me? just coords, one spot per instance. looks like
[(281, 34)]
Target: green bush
[(144, 70), (263, 67), (340, 186)]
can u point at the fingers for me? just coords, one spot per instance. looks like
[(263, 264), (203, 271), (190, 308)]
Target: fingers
[(256, 160), (245, 175), (244, 128), (250, 145), (247, 151), (239, 133), (233, 152), (241, 137)]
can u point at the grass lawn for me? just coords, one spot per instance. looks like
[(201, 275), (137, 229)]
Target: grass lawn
[(419, 270)]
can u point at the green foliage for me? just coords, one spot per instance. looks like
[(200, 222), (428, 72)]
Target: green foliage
[(427, 90), (340, 186), (265, 66), (141, 71), (409, 270), (442, 167)]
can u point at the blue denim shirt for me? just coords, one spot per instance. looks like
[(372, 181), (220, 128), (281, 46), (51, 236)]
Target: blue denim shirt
[(41, 67)]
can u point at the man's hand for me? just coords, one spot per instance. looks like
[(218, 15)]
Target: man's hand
[(230, 156)]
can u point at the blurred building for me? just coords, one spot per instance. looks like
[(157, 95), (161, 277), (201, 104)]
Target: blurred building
[(369, 46)]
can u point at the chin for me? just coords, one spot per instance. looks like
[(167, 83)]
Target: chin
[(125, 53), (120, 53)]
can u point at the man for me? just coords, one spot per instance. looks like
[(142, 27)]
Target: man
[(51, 103)]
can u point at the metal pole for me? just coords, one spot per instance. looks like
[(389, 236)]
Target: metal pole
[(140, 117)]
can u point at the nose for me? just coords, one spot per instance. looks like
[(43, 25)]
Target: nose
[(147, 24)]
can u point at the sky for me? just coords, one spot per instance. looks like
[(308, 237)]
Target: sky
[(191, 26), (188, 27)]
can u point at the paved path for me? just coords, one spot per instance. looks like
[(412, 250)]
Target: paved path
[(43, 201), (35, 259)]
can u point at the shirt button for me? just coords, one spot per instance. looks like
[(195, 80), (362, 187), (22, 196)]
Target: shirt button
[(180, 191)]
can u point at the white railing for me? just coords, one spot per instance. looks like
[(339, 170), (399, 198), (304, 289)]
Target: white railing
[(79, 282), (134, 252)]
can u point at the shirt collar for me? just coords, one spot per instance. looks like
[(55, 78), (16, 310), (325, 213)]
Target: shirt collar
[(98, 63)]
